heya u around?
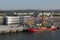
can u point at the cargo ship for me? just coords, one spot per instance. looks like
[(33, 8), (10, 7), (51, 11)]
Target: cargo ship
[(42, 28)]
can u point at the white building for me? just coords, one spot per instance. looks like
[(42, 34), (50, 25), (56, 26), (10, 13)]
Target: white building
[(23, 14), (45, 13), (19, 14), (31, 13)]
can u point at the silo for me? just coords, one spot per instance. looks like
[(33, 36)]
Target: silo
[(4, 20)]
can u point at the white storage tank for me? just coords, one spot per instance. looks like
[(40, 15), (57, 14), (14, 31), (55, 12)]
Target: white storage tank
[(16, 19), (12, 19)]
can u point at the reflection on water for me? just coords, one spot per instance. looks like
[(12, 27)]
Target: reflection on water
[(43, 35)]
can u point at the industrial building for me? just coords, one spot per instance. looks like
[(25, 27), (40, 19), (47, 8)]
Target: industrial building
[(27, 12)]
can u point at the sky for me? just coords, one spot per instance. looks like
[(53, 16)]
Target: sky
[(29, 4)]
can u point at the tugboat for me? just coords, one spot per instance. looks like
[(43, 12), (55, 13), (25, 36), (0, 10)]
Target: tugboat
[(51, 28)]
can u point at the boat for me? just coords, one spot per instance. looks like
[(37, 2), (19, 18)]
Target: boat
[(51, 28), (32, 30)]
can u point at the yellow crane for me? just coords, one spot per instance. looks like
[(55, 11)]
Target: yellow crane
[(43, 22)]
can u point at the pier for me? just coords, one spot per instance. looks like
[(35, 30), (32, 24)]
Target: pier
[(10, 29)]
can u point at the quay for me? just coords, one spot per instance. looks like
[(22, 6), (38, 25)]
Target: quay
[(10, 29)]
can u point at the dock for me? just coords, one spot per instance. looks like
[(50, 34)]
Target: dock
[(10, 29)]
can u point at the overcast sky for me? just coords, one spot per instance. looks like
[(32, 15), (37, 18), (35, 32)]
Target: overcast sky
[(29, 4)]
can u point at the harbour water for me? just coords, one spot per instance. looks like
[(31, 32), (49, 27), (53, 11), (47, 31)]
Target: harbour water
[(42, 35)]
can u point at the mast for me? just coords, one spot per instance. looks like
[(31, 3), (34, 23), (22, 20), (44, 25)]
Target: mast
[(42, 19)]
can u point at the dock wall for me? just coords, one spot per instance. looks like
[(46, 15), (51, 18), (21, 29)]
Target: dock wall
[(10, 28)]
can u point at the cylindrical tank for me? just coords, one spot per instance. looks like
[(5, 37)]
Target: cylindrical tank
[(16, 19), (10, 20), (4, 20)]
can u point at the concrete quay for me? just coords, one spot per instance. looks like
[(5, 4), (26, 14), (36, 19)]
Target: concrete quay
[(10, 29)]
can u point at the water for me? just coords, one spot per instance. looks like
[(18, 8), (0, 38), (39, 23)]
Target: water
[(44, 35)]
